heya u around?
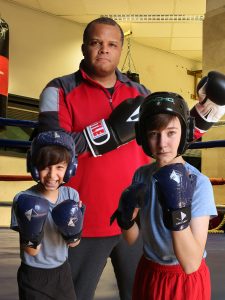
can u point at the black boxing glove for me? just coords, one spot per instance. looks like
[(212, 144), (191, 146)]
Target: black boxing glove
[(132, 197), (211, 105), (106, 135)]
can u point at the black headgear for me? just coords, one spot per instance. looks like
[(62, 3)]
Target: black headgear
[(165, 103), (52, 138)]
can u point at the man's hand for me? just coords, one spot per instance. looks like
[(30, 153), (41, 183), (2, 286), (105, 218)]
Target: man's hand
[(211, 105), (106, 135)]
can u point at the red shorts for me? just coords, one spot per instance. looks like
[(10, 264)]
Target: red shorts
[(159, 282)]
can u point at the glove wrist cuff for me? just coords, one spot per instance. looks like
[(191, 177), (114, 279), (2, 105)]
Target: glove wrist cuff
[(72, 239), (29, 244), (125, 225), (178, 219), (25, 242)]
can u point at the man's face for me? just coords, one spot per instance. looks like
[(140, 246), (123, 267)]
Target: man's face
[(102, 49)]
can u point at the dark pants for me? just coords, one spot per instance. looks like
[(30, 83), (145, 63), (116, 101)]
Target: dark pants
[(45, 284), (89, 259)]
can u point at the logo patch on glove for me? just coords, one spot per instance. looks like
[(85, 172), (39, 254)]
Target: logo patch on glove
[(98, 132), (32, 213), (176, 176), (72, 222), (135, 116), (181, 216)]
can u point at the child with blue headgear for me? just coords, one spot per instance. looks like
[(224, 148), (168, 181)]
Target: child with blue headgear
[(49, 219)]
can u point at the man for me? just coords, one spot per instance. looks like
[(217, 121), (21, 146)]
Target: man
[(99, 91)]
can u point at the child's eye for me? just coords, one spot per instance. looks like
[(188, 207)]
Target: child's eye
[(171, 133), (61, 167), (152, 134)]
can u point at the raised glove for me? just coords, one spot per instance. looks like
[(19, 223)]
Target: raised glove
[(106, 135), (31, 213), (211, 105), (132, 197), (68, 217), (175, 189)]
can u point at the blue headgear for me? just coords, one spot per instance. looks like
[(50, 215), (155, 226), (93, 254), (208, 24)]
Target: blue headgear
[(52, 138)]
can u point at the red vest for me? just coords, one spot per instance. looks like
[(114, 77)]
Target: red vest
[(79, 102)]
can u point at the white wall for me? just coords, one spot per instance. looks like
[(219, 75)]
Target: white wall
[(43, 47), (160, 70)]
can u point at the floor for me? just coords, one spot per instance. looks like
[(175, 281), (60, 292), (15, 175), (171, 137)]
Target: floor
[(9, 261), (107, 289)]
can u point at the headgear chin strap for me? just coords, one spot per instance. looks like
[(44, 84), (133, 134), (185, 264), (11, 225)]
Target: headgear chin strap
[(52, 138), (165, 103)]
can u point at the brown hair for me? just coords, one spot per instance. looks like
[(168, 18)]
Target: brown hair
[(51, 155), (159, 121), (102, 20)]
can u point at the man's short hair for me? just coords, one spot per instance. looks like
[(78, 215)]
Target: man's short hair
[(102, 20)]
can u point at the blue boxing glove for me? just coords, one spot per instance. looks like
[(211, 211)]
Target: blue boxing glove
[(175, 190), (31, 213), (68, 217), (132, 197)]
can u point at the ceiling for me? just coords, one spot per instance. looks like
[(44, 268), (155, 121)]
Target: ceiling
[(171, 25)]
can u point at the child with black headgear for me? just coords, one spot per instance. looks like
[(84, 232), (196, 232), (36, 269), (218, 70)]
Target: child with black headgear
[(49, 219), (174, 201)]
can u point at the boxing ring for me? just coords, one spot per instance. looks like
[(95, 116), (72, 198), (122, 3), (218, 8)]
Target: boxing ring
[(9, 251), (217, 225)]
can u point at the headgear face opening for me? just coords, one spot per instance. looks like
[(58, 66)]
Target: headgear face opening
[(165, 103), (52, 138)]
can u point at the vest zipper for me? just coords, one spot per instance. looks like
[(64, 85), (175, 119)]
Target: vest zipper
[(111, 96)]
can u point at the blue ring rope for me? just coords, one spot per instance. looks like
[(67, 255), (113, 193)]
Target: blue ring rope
[(19, 123), (34, 124)]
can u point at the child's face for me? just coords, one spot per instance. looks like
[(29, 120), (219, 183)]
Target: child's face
[(164, 143), (52, 176)]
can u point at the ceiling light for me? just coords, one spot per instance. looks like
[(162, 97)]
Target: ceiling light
[(136, 18)]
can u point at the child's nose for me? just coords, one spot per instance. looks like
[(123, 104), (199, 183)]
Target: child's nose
[(51, 173), (162, 140)]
